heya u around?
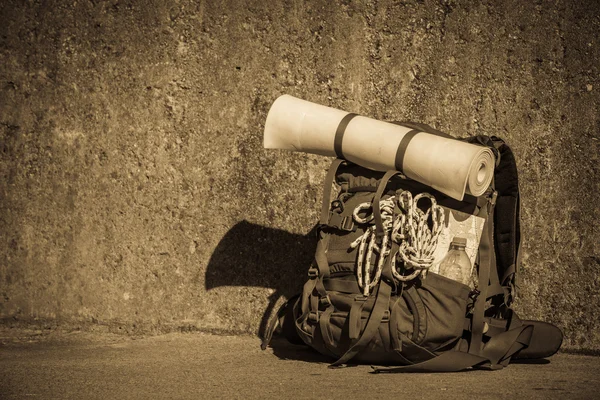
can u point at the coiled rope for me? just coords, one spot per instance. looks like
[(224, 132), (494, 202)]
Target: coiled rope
[(409, 228)]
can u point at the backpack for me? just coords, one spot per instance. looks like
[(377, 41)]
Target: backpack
[(394, 313)]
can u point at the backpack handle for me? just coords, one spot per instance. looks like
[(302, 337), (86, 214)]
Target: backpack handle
[(377, 199)]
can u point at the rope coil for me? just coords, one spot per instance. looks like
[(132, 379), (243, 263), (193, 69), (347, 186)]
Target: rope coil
[(404, 224)]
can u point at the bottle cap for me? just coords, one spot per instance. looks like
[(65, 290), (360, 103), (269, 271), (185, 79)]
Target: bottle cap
[(461, 241)]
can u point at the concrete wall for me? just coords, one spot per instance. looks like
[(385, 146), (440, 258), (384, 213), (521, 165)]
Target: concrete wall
[(134, 191)]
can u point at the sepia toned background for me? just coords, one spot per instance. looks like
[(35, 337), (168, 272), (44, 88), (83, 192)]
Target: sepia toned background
[(136, 197)]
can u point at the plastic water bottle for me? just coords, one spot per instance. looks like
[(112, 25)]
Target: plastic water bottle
[(457, 265)]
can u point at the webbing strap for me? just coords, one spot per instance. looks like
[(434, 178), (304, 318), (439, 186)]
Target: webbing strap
[(321, 257), (399, 160), (339, 134), (377, 198), (329, 179), (379, 308), (394, 315), (517, 264), (324, 325), (494, 280), (496, 289), (499, 346), (342, 286), (354, 317), (450, 361), (305, 301), (310, 301), (423, 128), (521, 343), (487, 264), (495, 355)]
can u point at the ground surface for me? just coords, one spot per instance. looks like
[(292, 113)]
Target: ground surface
[(41, 365)]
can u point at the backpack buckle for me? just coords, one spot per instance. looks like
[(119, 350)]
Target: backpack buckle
[(313, 273), (474, 294), (492, 199), (386, 316), (325, 301), (313, 317), (343, 223), (348, 224), (337, 204)]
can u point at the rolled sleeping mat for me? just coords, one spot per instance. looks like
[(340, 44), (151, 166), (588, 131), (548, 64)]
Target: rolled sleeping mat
[(451, 166)]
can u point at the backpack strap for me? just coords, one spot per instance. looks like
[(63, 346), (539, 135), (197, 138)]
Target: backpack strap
[(384, 291), (507, 236), (507, 218), (487, 265), (329, 180)]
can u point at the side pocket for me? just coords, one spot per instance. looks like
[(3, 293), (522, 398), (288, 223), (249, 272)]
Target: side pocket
[(445, 304)]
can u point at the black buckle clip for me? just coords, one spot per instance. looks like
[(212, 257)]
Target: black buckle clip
[(474, 294), (325, 301), (313, 273), (386, 316), (348, 224), (337, 204)]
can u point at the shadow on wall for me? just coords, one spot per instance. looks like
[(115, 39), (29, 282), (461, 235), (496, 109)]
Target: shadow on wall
[(254, 255)]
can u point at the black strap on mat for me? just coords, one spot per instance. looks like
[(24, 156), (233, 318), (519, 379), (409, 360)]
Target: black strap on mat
[(399, 160), (339, 134)]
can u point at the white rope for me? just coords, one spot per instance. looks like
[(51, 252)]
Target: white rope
[(409, 230)]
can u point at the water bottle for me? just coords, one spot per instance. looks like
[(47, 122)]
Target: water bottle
[(456, 264)]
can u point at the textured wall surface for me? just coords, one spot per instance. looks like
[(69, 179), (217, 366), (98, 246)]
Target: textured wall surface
[(134, 191)]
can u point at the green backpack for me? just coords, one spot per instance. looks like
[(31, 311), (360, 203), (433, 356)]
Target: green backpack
[(369, 297)]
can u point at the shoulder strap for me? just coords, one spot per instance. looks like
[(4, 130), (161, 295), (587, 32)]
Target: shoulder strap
[(507, 217), (329, 180), (507, 237), (382, 300)]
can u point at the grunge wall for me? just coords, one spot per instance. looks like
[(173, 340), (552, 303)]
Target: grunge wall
[(134, 191)]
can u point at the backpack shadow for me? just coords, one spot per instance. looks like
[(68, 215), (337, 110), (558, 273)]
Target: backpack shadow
[(252, 255)]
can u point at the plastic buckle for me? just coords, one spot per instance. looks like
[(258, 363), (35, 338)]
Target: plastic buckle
[(347, 224), (325, 301), (386, 316), (360, 297), (492, 199), (313, 273), (474, 294), (313, 317), (337, 204)]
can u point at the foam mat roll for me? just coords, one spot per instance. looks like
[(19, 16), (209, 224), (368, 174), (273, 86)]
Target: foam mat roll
[(451, 166)]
